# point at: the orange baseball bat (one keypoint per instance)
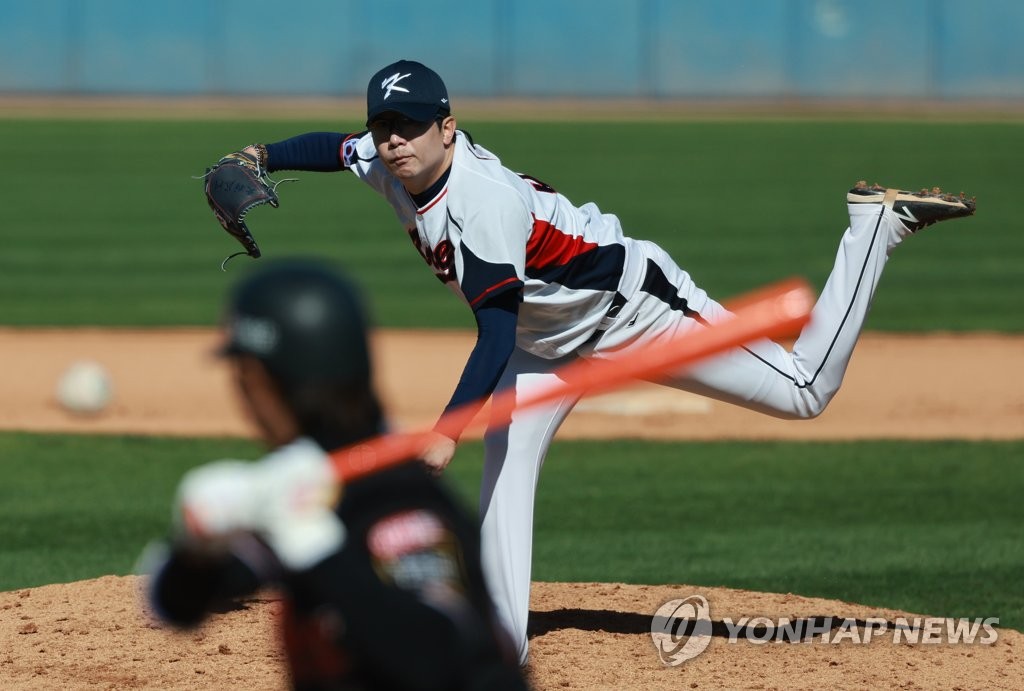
(776, 311)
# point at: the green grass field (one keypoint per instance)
(932, 528)
(104, 225)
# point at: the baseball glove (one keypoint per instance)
(235, 185)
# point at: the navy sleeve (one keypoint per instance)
(496, 339)
(317, 151)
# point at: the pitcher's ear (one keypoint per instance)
(448, 127)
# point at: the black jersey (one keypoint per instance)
(402, 605)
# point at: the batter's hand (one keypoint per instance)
(287, 499)
(438, 452)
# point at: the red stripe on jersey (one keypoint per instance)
(427, 208)
(481, 296)
(549, 246)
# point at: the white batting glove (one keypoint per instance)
(216, 500)
(287, 499)
(297, 518)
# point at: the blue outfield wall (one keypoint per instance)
(935, 49)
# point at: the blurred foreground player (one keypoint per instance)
(381, 578)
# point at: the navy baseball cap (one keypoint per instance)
(407, 87)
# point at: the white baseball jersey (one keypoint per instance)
(490, 229)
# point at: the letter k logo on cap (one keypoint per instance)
(391, 84)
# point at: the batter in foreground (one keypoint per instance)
(380, 578)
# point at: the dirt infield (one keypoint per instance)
(95, 634)
(167, 382)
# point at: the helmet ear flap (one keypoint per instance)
(305, 322)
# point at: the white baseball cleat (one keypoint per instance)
(915, 209)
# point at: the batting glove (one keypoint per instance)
(287, 499)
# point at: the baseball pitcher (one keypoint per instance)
(549, 281)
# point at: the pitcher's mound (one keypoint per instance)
(96, 634)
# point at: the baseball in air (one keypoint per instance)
(84, 388)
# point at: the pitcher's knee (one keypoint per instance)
(809, 413)
(800, 404)
(811, 404)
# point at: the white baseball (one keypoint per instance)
(84, 388)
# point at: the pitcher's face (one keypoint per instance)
(417, 153)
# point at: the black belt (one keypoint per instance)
(613, 311)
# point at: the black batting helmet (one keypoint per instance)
(304, 320)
